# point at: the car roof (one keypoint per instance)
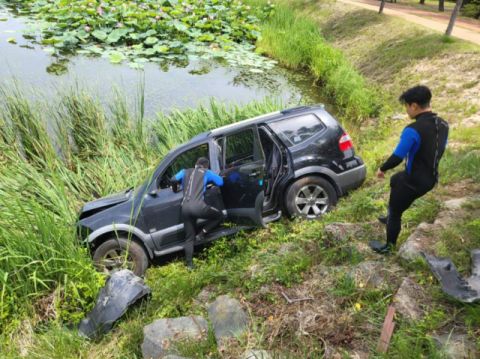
(269, 117)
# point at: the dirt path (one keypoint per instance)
(434, 21)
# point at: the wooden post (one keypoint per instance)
(453, 18)
(387, 330)
(441, 5)
(382, 5)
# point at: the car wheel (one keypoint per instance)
(117, 254)
(310, 197)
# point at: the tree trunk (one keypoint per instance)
(441, 6)
(422, 2)
(382, 5)
(453, 18)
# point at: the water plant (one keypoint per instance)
(148, 30)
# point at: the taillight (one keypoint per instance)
(345, 142)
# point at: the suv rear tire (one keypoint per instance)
(310, 197)
(122, 253)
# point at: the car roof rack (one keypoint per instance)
(294, 109)
(244, 122)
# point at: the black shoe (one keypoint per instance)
(383, 219)
(190, 265)
(381, 248)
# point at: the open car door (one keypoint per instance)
(243, 169)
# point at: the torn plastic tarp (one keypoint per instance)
(464, 289)
(122, 289)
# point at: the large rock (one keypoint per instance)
(372, 273)
(257, 354)
(227, 317)
(407, 298)
(455, 346)
(421, 240)
(159, 337)
(455, 203)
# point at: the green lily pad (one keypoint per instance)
(101, 35)
(11, 40)
(151, 40)
(49, 49)
(10, 31)
(116, 57)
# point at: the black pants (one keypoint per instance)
(190, 215)
(401, 198)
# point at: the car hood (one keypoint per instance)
(105, 202)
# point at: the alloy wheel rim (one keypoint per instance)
(115, 260)
(311, 201)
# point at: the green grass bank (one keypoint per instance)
(47, 280)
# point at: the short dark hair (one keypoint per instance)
(203, 162)
(421, 95)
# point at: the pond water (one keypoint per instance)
(178, 85)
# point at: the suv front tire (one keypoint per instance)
(310, 197)
(116, 254)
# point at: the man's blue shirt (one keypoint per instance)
(209, 177)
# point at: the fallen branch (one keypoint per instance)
(291, 301)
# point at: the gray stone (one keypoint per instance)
(406, 300)
(342, 231)
(206, 293)
(160, 336)
(227, 317)
(256, 354)
(370, 273)
(174, 357)
(397, 117)
(420, 240)
(455, 346)
(455, 203)
(285, 248)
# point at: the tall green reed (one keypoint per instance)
(92, 151)
(297, 43)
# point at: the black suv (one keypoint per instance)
(299, 161)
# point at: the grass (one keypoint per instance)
(47, 280)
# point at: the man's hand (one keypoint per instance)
(380, 174)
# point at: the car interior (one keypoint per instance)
(274, 163)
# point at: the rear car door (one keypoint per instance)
(243, 169)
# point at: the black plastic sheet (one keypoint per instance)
(122, 289)
(464, 289)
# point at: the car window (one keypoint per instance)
(185, 160)
(239, 149)
(301, 128)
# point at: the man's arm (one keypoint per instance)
(212, 177)
(177, 178)
(407, 141)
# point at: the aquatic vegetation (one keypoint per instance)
(149, 30)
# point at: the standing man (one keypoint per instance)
(422, 144)
(194, 182)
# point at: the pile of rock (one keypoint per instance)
(226, 315)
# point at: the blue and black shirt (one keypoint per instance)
(194, 182)
(422, 144)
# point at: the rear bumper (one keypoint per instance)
(352, 179)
